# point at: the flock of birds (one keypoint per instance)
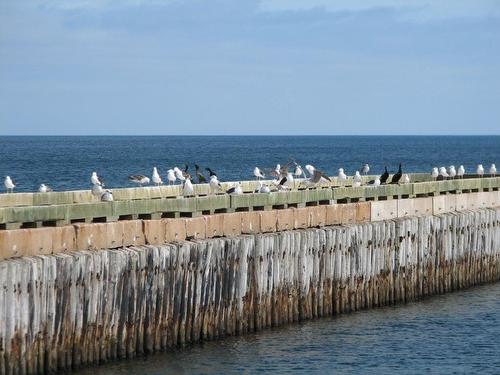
(283, 178)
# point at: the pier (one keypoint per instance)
(84, 282)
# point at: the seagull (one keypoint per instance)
(406, 178)
(452, 172)
(107, 196)
(9, 184)
(298, 171)
(375, 182)
(397, 176)
(257, 173)
(434, 173)
(277, 170)
(461, 171)
(384, 177)
(97, 190)
(210, 172)
(156, 177)
(480, 170)
(365, 169)
(235, 190)
(199, 175)
(316, 175)
(187, 188)
(139, 179)
(442, 172)
(356, 180)
(95, 180)
(342, 176)
(179, 174)
(263, 188)
(286, 182)
(493, 170)
(171, 177)
(215, 185)
(44, 188)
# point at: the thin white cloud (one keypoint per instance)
(100, 4)
(409, 9)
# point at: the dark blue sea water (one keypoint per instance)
(67, 162)
(457, 333)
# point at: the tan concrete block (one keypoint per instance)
(363, 212)
(302, 218)
(196, 227)
(90, 236)
(175, 229)
(317, 216)
(13, 243)
(39, 241)
(444, 203)
(268, 221)
(231, 224)
(461, 202)
(285, 220)
(215, 225)
(63, 239)
(133, 233)
(114, 234)
(333, 214)
(384, 210)
(154, 231)
(348, 212)
(250, 222)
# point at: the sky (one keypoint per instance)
(131, 67)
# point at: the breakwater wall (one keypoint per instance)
(75, 308)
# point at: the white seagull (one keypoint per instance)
(316, 176)
(480, 170)
(171, 177)
(442, 172)
(235, 190)
(44, 188)
(139, 179)
(107, 196)
(156, 177)
(342, 177)
(452, 172)
(257, 173)
(188, 189)
(406, 178)
(95, 180)
(434, 173)
(461, 171)
(97, 190)
(9, 184)
(366, 169)
(493, 170)
(214, 184)
(179, 174)
(375, 182)
(263, 188)
(286, 182)
(356, 179)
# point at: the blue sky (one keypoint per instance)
(249, 67)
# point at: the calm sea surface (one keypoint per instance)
(67, 162)
(457, 333)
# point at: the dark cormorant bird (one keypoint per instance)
(384, 177)
(397, 176)
(199, 175)
(210, 172)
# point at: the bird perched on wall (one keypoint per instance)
(286, 182)
(179, 175)
(406, 178)
(171, 177)
(298, 171)
(139, 179)
(493, 170)
(97, 190)
(365, 169)
(452, 172)
(316, 175)
(156, 177)
(214, 184)
(263, 188)
(107, 196)
(258, 174)
(96, 180)
(397, 176)
(9, 184)
(435, 173)
(187, 188)
(44, 188)
(384, 177)
(461, 171)
(342, 177)
(480, 170)
(443, 172)
(199, 175)
(356, 180)
(210, 172)
(375, 182)
(235, 190)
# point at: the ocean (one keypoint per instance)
(66, 163)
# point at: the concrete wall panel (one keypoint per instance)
(384, 210)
